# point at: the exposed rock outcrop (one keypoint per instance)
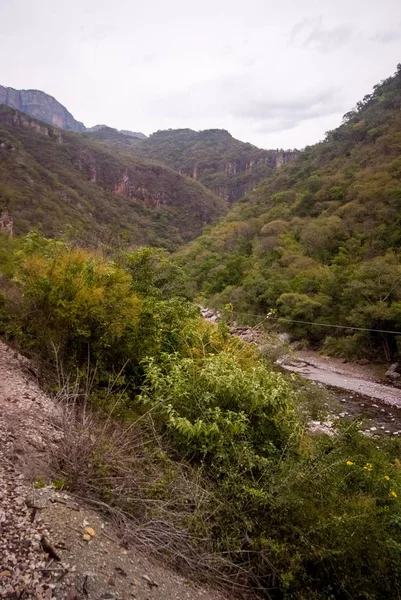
(240, 176)
(6, 222)
(228, 167)
(41, 106)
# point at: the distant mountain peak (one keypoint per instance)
(41, 106)
(46, 108)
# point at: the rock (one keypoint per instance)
(111, 581)
(393, 375)
(41, 106)
(86, 537)
(151, 583)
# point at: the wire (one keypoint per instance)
(268, 317)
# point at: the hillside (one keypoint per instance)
(228, 167)
(319, 241)
(196, 447)
(53, 179)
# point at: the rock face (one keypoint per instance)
(41, 106)
(228, 167)
(239, 176)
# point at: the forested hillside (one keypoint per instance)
(228, 167)
(319, 241)
(53, 179)
(194, 441)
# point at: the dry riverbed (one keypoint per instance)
(358, 391)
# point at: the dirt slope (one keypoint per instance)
(99, 569)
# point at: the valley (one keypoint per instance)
(251, 449)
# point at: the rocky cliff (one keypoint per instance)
(232, 179)
(228, 167)
(41, 106)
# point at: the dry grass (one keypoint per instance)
(160, 505)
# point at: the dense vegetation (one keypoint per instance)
(53, 179)
(227, 166)
(293, 515)
(319, 241)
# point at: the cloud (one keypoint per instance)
(250, 97)
(312, 33)
(283, 113)
(96, 33)
(387, 36)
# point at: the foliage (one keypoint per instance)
(319, 241)
(293, 515)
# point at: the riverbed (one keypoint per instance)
(358, 391)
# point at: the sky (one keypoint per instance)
(278, 74)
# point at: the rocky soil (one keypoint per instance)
(53, 546)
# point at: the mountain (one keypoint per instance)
(41, 106)
(52, 179)
(319, 241)
(45, 108)
(108, 132)
(228, 167)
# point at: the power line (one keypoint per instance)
(317, 324)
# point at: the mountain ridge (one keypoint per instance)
(229, 167)
(53, 179)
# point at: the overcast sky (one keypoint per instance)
(275, 73)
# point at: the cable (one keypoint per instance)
(317, 324)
